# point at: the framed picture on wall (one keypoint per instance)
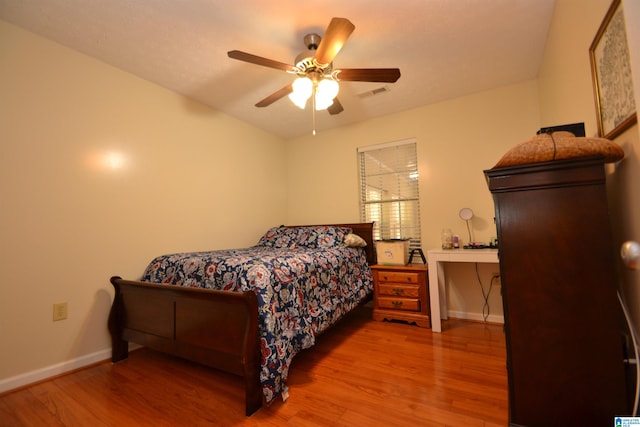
(611, 70)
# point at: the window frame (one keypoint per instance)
(396, 216)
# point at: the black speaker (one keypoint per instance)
(575, 128)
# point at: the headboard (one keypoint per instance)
(364, 230)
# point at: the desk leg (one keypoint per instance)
(442, 288)
(434, 297)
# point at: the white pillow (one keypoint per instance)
(354, 241)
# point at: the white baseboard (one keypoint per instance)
(32, 377)
(492, 318)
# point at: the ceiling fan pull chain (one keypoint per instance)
(313, 109)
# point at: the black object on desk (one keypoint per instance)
(419, 252)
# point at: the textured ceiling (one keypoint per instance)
(444, 48)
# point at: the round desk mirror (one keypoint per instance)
(466, 214)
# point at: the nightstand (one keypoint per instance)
(401, 293)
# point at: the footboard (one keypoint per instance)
(215, 328)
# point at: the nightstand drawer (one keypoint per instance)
(399, 290)
(408, 304)
(398, 277)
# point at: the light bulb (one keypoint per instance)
(326, 90)
(299, 101)
(302, 88)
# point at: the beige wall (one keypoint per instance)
(456, 141)
(566, 95)
(191, 179)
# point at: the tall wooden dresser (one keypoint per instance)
(566, 337)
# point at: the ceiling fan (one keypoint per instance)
(316, 77)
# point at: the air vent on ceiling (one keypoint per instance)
(373, 92)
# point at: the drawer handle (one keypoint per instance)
(409, 279)
(396, 303)
(385, 277)
(398, 291)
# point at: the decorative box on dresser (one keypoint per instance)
(401, 293)
(566, 337)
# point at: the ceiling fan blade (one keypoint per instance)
(275, 96)
(334, 38)
(384, 75)
(335, 108)
(258, 60)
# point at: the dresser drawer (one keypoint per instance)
(398, 277)
(399, 290)
(407, 304)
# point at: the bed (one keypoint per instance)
(247, 311)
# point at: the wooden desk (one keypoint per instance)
(437, 279)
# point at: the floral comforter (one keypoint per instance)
(304, 285)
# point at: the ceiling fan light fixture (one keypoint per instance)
(302, 89)
(323, 103)
(326, 91)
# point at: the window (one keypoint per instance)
(389, 190)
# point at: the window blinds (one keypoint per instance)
(389, 190)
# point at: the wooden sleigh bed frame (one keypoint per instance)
(215, 328)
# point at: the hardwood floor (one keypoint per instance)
(360, 373)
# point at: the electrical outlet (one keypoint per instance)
(60, 311)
